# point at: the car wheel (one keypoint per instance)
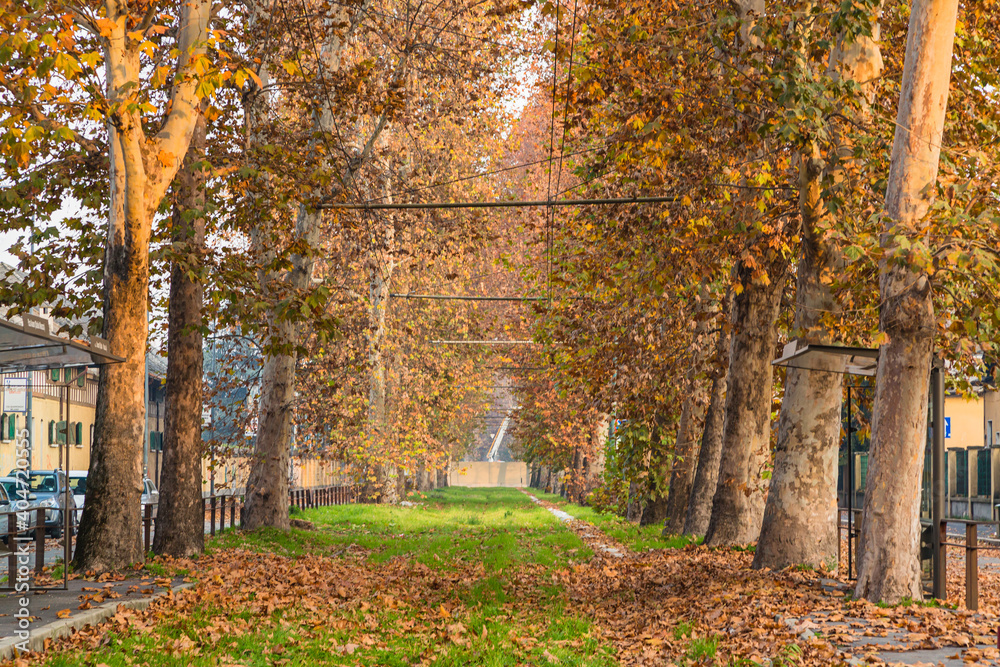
(56, 532)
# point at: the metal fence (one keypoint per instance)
(220, 512)
(972, 545)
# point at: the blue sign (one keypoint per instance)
(947, 427)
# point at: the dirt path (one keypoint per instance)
(588, 532)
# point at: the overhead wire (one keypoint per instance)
(550, 212)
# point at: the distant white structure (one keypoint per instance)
(485, 473)
(497, 439)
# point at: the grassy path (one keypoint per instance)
(466, 577)
(487, 577)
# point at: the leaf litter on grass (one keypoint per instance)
(684, 607)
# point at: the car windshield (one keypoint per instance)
(42, 482)
(11, 488)
(79, 485)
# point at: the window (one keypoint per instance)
(983, 470)
(12, 427)
(43, 482)
(82, 380)
(78, 435)
(78, 485)
(54, 375)
(3, 427)
(52, 434)
(961, 472)
(989, 433)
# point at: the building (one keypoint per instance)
(971, 435)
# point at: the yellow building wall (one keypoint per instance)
(966, 416)
(45, 408)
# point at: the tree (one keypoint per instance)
(888, 559)
(710, 455)
(801, 517)
(180, 514)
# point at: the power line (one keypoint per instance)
(484, 174)
(550, 212)
(513, 203)
(448, 297)
(484, 342)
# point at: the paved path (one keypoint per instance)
(44, 606)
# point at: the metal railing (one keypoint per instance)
(16, 535)
(220, 512)
(971, 546)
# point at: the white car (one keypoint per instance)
(150, 496)
(78, 485)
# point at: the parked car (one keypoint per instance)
(150, 496)
(78, 486)
(49, 488)
(11, 491)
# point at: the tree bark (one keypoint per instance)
(685, 458)
(888, 559)
(141, 170)
(379, 280)
(633, 512)
(738, 505)
(180, 520)
(710, 456)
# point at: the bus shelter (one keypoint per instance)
(31, 346)
(863, 361)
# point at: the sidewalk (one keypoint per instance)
(48, 606)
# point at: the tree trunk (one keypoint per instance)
(141, 170)
(710, 456)
(655, 509)
(634, 510)
(598, 447)
(267, 485)
(801, 518)
(888, 558)
(180, 520)
(379, 278)
(738, 506)
(685, 458)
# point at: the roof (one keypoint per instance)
(29, 346)
(857, 360)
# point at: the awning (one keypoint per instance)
(30, 347)
(859, 360)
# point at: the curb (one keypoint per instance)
(67, 626)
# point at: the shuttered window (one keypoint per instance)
(983, 470)
(961, 473)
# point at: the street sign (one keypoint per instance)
(15, 394)
(947, 427)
